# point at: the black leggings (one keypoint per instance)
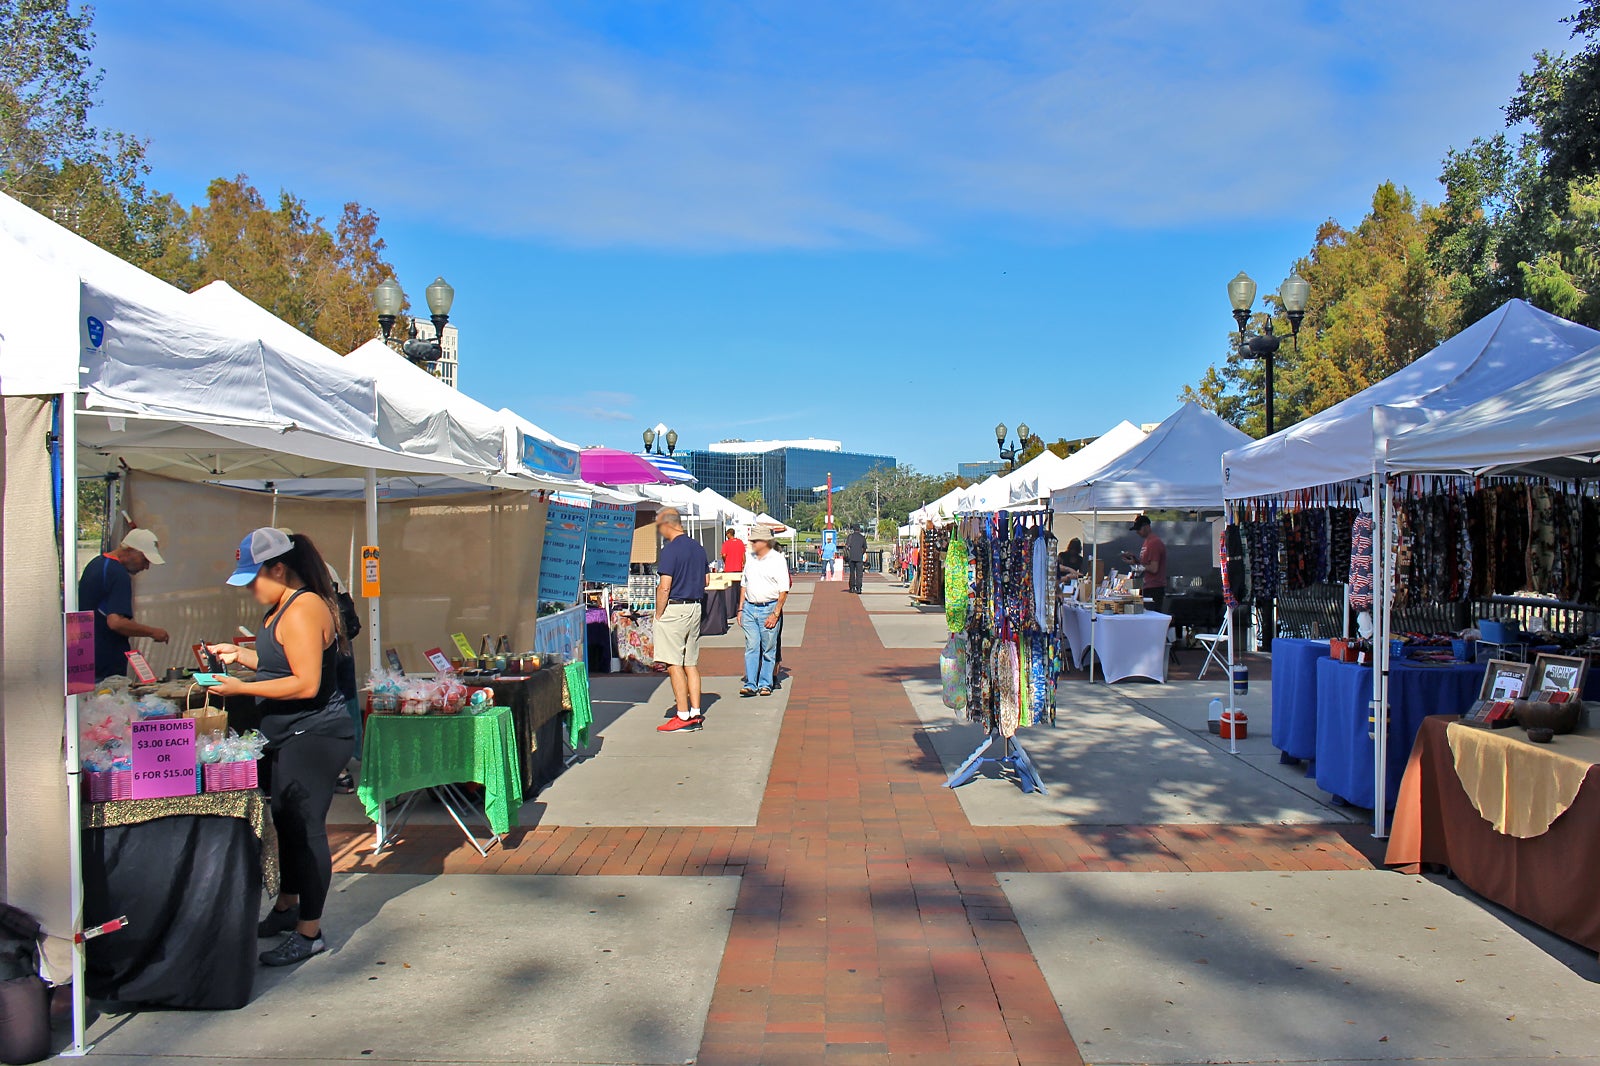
(301, 775)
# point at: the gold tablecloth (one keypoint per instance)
(1518, 786)
(247, 804)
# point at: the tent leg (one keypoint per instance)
(374, 632)
(1094, 593)
(1382, 607)
(69, 589)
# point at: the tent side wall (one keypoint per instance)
(35, 869)
(467, 564)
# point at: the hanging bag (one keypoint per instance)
(953, 672)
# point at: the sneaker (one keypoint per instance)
(277, 922)
(681, 725)
(295, 948)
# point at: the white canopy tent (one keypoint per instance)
(421, 415)
(1027, 482)
(1548, 425)
(1093, 456)
(1496, 353)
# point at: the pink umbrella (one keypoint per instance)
(608, 466)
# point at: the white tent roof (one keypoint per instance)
(164, 383)
(1178, 466)
(1496, 353)
(1093, 456)
(421, 415)
(532, 450)
(1022, 484)
(688, 502)
(1549, 424)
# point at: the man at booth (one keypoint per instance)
(1152, 558)
(106, 588)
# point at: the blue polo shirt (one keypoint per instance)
(106, 588)
(684, 560)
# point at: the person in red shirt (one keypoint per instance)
(1153, 558)
(733, 554)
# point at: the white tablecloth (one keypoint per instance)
(1127, 645)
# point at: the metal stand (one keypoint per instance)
(455, 803)
(1011, 754)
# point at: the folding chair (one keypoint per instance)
(1216, 645)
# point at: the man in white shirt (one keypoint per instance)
(762, 595)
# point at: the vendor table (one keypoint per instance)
(188, 873)
(1195, 611)
(536, 706)
(1294, 695)
(407, 753)
(721, 608)
(1548, 878)
(1344, 734)
(1127, 645)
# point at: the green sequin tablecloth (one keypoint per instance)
(404, 753)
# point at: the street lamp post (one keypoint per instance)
(652, 439)
(388, 299)
(1009, 453)
(1292, 296)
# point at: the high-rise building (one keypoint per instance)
(449, 366)
(981, 469)
(786, 471)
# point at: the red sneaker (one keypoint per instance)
(676, 724)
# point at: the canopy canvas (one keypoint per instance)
(1498, 352)
(421, 415)
(1178, 466)
(1096, 454)
(1548, 425)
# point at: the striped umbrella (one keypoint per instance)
(668, 466)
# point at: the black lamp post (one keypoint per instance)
(1009, 453)
(652, 439)
(388, 298)
(1292, 296)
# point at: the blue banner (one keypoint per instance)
(562, 633)
(610, 546)
(547, 457)
(565, 529)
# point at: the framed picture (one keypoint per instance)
(1559, 673)
(1505, 680)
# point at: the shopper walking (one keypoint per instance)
(304, 717)
(1152, 558)
(855, 557)
(732, 553)
(680, 593)
(762, 596)
(106, 588)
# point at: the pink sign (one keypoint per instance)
(163, 758)
(80, 652)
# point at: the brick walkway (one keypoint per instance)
(870, 927)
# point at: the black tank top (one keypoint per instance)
(325, 714)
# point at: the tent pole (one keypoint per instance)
(374, 633)
(1227, 616)
(69, 591)
(1380, 671)
(1094, 592)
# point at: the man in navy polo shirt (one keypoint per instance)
(106, 588)
(680, 594)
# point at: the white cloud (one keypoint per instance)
(819, 126)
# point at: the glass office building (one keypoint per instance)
(786, 472)
(980, 470)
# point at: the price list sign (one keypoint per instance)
(566, 528)
(163, 758)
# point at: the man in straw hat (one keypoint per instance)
(680, 595)
(762, 594)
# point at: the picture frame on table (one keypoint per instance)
(1558, 673)
(1506, 679)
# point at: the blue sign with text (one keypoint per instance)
(610, 544)
(566, 529)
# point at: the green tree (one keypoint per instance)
(1377, 303)
(752, 500)
(318, 280)
(886, 495)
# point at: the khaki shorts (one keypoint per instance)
(677, 635)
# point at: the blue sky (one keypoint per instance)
(891, 223)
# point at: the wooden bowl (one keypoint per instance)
(1556, 717)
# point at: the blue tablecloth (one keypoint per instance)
(1294, 695)
(1344, 747)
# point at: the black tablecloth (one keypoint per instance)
(721, 611)
(536, 711)
(190, 886)
(1196, 611)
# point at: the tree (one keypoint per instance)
(52, 156)
(886, 494)
(752, 500)
(1377, 303)
(318, 280)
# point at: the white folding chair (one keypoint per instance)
(1216, 645)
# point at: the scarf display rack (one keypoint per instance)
(1000, 607)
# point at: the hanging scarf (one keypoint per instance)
(956, 581)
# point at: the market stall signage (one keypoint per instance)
(566, 529)
(609, 545)
(163, 758)
(140, 666)
(463, 645)
(80, 652)
(440, 661)
(547, 456)
(369, 572)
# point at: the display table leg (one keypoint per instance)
(459, 807)
(1011, 754)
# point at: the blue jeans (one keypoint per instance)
(760, 645)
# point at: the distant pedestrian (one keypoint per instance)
(855, 557)
(680, 595)
(762, 596)
(732, 553)
(1152, 559)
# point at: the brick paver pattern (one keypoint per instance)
(870, 926)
